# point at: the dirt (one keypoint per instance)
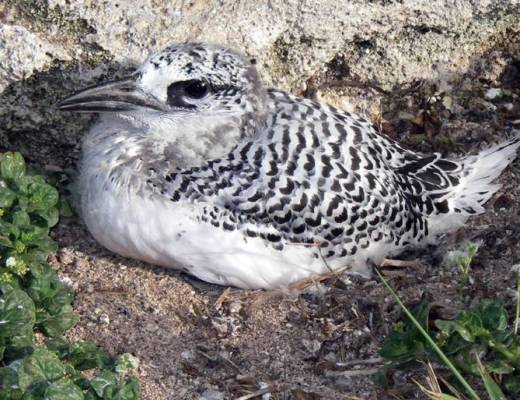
(319, 342)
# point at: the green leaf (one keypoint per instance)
(19, 345)
(5, 241)
(11, 394)
(7, 196)
(51, 215)
(380, 377)
(91, 395)
(46, 246)
(12, 166)
(59, 346)
(36, 391)
(500, 367)
(47, 291)
(63, 389)
(493, 315)
(33, 234)
(402, 347)
(41, 366)
(472, 322)
(59, 323)
(65, 208)
(104, 380)
(126, 362)
(16, 312)
(130, 391)
(511, 384)
(447, 328)
(42, 196)
(8, 378)
(406, 343)
(21, 219)
(86, 355)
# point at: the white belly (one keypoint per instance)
(168, 234)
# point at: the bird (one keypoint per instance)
(194, 164)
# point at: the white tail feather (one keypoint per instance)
(475, 185)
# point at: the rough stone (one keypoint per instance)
(49, 48)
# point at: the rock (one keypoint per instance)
(312, 346)
(50, 48)
(235, 307)
(212, 395)
(447, 102)
(493, 93)
(23, 52)
(104, 319)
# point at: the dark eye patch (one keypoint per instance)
(179, 92)
(196, 89)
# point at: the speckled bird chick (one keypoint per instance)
(195, 165)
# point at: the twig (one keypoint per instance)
(324, 260)
(254, 394)
(388, 262)
(222, 298)
(219, 358)
(374, 360)
(352, 372)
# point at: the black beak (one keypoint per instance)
(121, 95)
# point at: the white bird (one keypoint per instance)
(195, 165)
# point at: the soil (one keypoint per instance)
(197, 341)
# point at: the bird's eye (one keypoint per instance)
(196, 89)
(179, 93)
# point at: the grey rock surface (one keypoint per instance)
(49, 48)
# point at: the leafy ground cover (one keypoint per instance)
(36, 306)
(477, 342)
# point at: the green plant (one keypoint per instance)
(463, 259)
(476, 343)
(33, 298)
(410, 342)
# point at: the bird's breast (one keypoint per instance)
(171, 234)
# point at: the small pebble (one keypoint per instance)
(212, 395)
(493, 93)
(66, 280)
(235, 307)
(187, 355)
(489, 106)
(447, 102)
(312, 346)
(220, 326)
(104, 319)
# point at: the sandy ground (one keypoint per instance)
(320, 342)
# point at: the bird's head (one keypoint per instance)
(196, 94)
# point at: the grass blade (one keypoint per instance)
(493, 390)
(425, 334)
(435, 395)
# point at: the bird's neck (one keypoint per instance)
(122, 151)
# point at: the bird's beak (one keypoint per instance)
(121, 95)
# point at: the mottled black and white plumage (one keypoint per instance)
(198, 166)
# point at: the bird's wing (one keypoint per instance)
(313, 177)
